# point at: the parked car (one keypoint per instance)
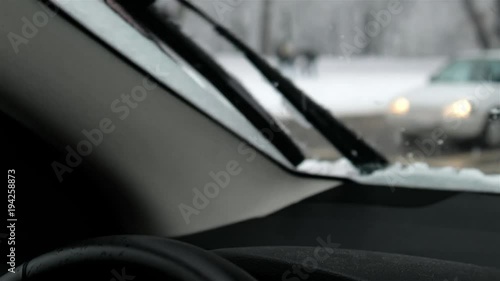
(460, 103)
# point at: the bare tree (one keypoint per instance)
(496, 11)
(371, 46)
(265, 32)
(475, 17)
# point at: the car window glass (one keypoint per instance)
(494, 71)
(369, 63)
(481, 71)
(458, 71)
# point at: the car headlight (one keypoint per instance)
(400, 106)
(459, 109)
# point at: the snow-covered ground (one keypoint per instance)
(360, 86)
(413, 175)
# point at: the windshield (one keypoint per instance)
(363, 67)
(366, 72)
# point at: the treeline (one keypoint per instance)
(371, 27)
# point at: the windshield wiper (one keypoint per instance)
(351, 146)
(354, 148)
(169, 34)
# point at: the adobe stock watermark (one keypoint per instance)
(223, 7)
(30, 26)
(220, 180)
(310, 264)
(364, 36)
(121, 108)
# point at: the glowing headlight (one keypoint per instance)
(459, 109)
(400, 106)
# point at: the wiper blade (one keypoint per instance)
(172, 36)
(354, 148)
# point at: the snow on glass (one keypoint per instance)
(415, 175)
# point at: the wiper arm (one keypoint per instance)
(363, 156)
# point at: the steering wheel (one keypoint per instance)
(126, 258)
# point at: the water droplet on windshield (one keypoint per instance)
(354, 153)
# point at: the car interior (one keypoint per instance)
(130, 209)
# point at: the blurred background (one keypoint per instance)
(363, 61)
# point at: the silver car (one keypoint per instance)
(460, 103)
